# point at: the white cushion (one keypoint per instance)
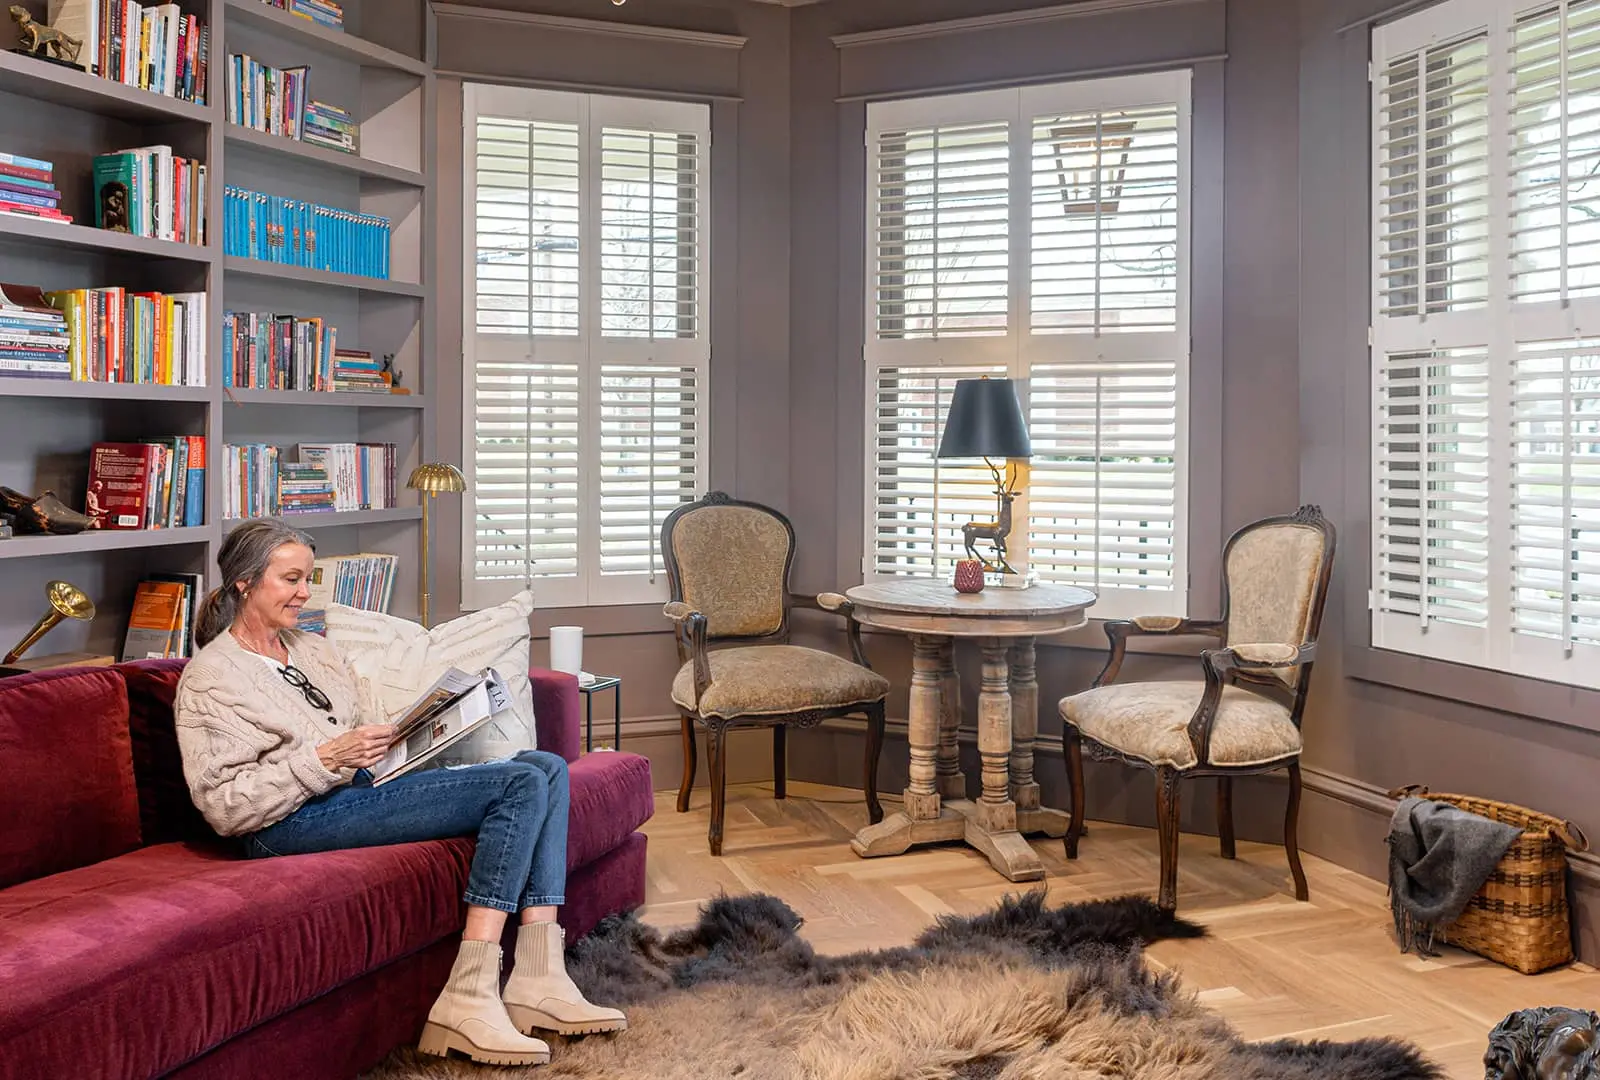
(401, 659)
(1150, 721)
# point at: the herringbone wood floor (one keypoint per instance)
(1273, 967)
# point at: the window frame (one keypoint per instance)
(1505, 328)
(589, 349)
(1016, 352)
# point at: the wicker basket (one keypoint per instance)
(1519, 917)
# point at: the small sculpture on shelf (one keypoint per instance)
(44, 42)
(391, 375)
(44, 514)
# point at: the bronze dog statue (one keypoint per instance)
(1551, 1043)
(37, 37)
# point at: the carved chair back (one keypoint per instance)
(1275, 585)
(730, 560)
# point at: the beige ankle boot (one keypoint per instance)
(540, 997)
(470, 1018)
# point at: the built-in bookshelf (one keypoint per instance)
(375, 71)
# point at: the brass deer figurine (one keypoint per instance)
(995, 531)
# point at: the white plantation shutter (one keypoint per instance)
(1103, 480)
(587, 357)
(525, 484)
(941, 230)
(1486, 242)
(649, 461)
(526, 227)
(920, 502)
(1040, 234)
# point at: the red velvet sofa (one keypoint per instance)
(136, 943)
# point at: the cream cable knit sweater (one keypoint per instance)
(249, 740)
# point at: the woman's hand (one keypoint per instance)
(359, 748)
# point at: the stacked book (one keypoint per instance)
(267, 351)
(148, 191)
(361, 475)
(331, 127)
(154, 47)
(28, 188)
(151, 484)
(265, 98)
(295, 232)
(135, 337)
(304, 488)
(34, 340)
(322, 12)
(355, 371)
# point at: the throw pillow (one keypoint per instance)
(400, 659)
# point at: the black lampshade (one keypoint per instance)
(985, 421)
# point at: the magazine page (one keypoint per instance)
(486, 698)
(445, 691)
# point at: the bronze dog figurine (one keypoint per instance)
(1551, 1043)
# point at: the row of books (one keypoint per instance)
(263, 350)
(296, 232)
(103, 335)
(364, 580)
(155, 47)
(149, 191)
(162, 620)
(157, 483)
(28, 188)
(265, 98)
(264, 480)
(322, 12)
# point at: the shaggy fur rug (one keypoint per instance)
(1022, 992)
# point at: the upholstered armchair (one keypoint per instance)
(728, 567)
(1245, 717)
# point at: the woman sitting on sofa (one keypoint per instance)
(277, 734)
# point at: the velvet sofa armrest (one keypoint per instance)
(557, 713)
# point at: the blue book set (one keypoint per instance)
(296, 232)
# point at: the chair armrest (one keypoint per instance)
(842, 605)
(689, 629)
(1120, 630)
(1220, 666)
(557, 715)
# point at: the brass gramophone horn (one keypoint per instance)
(67, 601)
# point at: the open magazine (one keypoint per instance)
(456, 705)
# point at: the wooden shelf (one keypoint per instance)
(105, 391)
(345, 399)
(75, 88)
(22, 547)
(86, 237)
(333, 159)
(307, 34)
(336, 519)
(238, 264)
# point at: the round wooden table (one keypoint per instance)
(1005, 622)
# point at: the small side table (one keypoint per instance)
(601, 682)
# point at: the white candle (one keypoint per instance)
(566, 649)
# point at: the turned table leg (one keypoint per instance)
(996, 811)
(952, 782)
(1031, 817)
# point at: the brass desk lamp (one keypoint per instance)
(985, 421)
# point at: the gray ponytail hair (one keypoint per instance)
(244, 557)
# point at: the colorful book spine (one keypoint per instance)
(295, 232)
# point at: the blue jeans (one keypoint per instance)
(517, 808)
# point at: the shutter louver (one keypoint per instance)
(1432, 559)
(525, 476)
(920, 502)
(1433, 179)
(649, 234)
(526, 227)
(1555, 519)
(940, 231)
(1555, 137)
(649, 420)
(1103, 478)
(1105, 221)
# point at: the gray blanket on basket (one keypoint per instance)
(1439, 857)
